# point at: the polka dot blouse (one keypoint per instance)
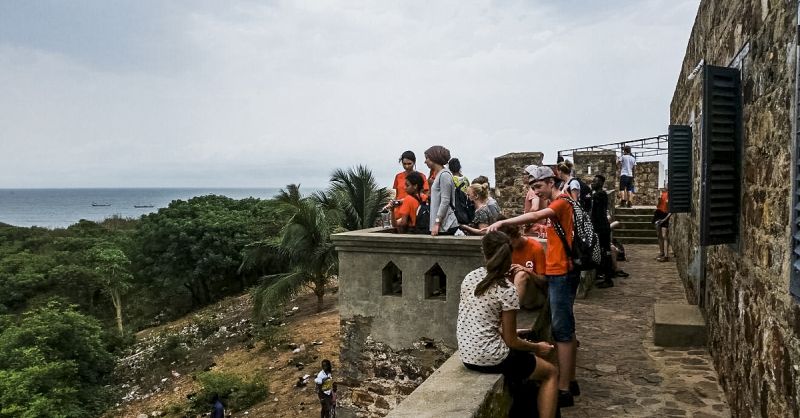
(479, 339)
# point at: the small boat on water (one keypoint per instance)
(100, 204)
(143, 206)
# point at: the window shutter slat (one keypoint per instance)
(721, 156)
(680, 168)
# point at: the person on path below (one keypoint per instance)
(485, 215)
(486, 331)
(324, 383)
(562, 279)
(409, 161)
(217, 408)
(661, 221)
(627, 162)
(599, 215)
(443, 218)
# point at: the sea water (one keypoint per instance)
(59, 208)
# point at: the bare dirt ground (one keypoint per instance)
(277, 366)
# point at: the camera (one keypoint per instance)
(396, 203)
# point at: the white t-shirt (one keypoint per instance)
(480, 341)
(628, 162)
(327, 385)
(570, 185)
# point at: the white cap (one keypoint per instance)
(539, 172)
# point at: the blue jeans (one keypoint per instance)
(561, 291)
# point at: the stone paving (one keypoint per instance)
(621, 372)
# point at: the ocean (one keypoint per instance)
(59, 208)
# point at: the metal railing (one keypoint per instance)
(643, 147)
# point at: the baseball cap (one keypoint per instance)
(539, 172)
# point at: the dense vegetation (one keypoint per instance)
(70, 299)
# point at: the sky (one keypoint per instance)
(266, 93)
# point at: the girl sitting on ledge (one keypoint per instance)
(487, 326)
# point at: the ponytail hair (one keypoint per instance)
(497, 251)
(481, 191)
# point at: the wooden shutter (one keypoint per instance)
(721, 156)
(680, 168)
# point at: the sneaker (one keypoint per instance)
(574, 389)
(604, 285)
(565, 399)
(629, 204)
(621, 273)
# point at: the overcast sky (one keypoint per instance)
(250, 94)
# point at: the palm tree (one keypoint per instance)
(306, 245)
(355, 196)
(352, 201)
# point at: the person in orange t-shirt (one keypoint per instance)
(661, 221)
(404, 214)
(409, 162)
(562, 280)
(527, 255)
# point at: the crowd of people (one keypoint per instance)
(445, 202)
(515, 260)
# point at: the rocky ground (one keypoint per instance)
(221, 338)
(620, 371)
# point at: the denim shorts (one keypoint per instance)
(561, 292)
(626, 183)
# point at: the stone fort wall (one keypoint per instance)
(743, 289)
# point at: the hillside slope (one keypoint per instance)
(220, 338)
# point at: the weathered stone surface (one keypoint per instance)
(511, 182)
(743, 288)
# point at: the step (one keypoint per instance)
(678, 325)
(636, 240)
(636, 210)
(635, 233)
(635, 225)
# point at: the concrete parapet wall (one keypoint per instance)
(390, 343)
(454, 391)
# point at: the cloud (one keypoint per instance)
(255, 94)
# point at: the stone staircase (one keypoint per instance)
(636, 225)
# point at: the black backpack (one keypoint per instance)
(585, 251)
(462, 206)
(423, 225)
(585, 196)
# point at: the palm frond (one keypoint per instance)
(276, 289)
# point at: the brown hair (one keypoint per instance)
(497, 252)
(513, 231)
(481, 180)
(565, 167)
(438, 154)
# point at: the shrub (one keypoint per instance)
(236, 393)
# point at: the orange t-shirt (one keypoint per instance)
(663, 202)
(400, 184)
(531, 255)
(558, 263)
(409, 208)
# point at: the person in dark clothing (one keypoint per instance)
(599, 216)
(218, 409)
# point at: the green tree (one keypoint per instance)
(111, 266)
(53, 363)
